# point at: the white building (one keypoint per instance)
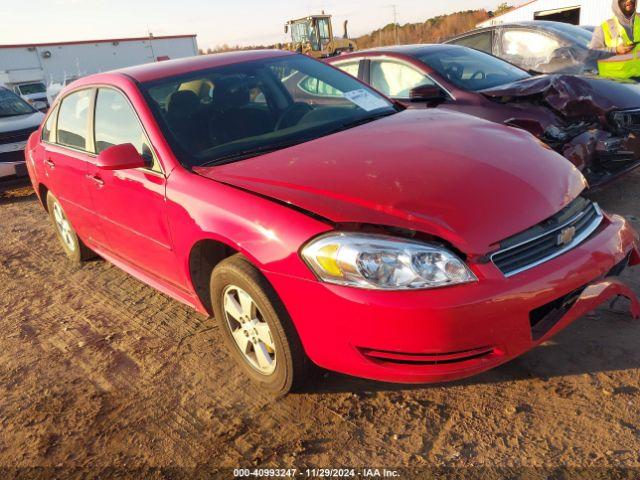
(577, 12)
(56, 62)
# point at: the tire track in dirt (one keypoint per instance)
(123, 375)
(85, 344)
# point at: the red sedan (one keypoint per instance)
(320, 222)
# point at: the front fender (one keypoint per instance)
(268, 233)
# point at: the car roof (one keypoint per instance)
(154, 71)
(541, 24)
(403, 49)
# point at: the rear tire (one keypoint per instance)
(256, 328)
(73, 247)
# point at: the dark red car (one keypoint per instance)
(339, 232)
(593, 122)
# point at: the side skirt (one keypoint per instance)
(184, 296)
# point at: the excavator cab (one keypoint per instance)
(313, 36)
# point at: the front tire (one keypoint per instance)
(256, 328)
(73, 247)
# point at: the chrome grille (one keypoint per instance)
(549, 239)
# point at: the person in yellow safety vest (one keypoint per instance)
(619, 36)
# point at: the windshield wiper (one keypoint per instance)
(251, 152)
(360, 121)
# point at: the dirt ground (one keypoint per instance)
(100, 374)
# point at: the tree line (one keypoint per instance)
(433, 30)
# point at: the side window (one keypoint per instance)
(317, 87)
(352, 68)
(116, 123)
(528, 48)
(72, 120)
(47, 129)
(479, 41)
(396, 79)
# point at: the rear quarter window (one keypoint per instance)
(48, 133)
(72, 128)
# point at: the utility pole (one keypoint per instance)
(395, 22)
(153, 55)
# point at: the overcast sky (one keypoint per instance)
(234, 22)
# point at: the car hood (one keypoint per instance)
(20, 122)
(572, 96)
(465, 180)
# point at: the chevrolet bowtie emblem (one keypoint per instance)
(566, 236)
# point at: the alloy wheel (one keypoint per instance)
(64, 227)
(249, 330)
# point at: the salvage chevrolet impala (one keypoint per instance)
(321, 223)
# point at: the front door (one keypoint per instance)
(131, 203)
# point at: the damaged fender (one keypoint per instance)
(590, 131)
(571, 96)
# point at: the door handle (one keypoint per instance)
(50, 164)
(98, 181)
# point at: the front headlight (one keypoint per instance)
(383, 263)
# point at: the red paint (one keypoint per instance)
(466, 181)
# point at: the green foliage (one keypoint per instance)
(502, 8)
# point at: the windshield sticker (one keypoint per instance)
(365, 99)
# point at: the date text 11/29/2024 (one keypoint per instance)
(316, 472)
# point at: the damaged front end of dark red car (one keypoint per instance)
(597, 124)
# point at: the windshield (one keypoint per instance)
(31, 88)
(470, 69)
(229, 113)
(12, 105)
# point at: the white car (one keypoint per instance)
(18, 120)
(34, 93)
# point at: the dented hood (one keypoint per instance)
(572, 96)
(466, 180)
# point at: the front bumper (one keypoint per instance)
(603, 157)
(455, 332)
(13, 169)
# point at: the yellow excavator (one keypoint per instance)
(313, 36)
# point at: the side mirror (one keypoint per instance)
(427, 93)
(121, 157)
(286, 29)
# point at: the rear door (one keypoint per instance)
(131, 203)
(67, 153)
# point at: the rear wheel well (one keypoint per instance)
(204, 257)
(42, 193)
